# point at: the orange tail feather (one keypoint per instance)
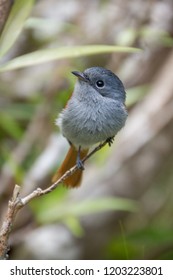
(69, 161)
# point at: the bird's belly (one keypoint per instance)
(92, 126)
(86, 138)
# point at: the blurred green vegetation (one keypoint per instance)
(150, 242)
(52, 208)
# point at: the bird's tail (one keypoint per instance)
(70, 160)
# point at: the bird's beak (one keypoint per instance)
(80, 75)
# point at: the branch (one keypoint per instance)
(5, 7)
(16, 203)
(13, 207)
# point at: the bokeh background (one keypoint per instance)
(124, 207)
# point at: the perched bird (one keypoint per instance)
(95, 112)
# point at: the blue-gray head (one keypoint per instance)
(104, 81)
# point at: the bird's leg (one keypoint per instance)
(110, 140)
(79, 162)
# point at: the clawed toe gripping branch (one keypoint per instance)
(16, 202)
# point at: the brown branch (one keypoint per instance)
(13, 207)
(5, 7)
(16, 203)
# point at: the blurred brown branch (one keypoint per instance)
(5, 7)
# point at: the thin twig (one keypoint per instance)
(16, 203)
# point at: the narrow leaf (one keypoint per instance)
(46, 55)
(103, 204)
(19, 12)
(61, 212)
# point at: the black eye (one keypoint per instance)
(100, 84)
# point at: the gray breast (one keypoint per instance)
(85, 125)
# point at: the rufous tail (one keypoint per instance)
(70, 160)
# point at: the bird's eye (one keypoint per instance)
(100, 84)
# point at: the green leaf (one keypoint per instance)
(103, 204)
(10, 126)
(46, 55)
(53, 199)
(19, 12)
(60, 211)
(74, 225)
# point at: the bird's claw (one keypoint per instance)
(110, 141)
(80, 164)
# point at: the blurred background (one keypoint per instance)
(124, 207)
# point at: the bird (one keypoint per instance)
(95, 112)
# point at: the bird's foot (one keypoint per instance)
(110, 141)
(79, 162)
